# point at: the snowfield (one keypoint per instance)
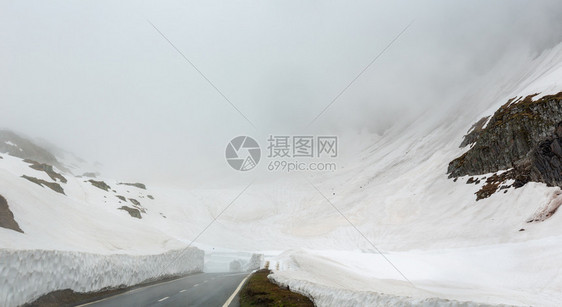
(81, 240)
(513, 274)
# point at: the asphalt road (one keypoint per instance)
(203, 289)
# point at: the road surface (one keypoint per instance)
(203, 289)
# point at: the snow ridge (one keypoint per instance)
(26, 275)
(328, 296)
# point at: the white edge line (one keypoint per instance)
(164, 298)
(227, 303)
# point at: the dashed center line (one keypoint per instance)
(164, 298)
(195, 285)
(183, 290)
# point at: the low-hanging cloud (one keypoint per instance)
(96, 78)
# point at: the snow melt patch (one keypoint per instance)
(549, 209)
(28, 274)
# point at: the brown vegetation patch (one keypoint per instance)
(260, 291)
(493, 183)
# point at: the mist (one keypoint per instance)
(95, 77)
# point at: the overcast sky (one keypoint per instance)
(95, 78)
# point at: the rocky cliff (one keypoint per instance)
(523, 136)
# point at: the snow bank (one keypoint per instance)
(328, 296)
(522, 274)
(25, 275)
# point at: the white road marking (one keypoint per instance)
(135, 290)
(164, 298)
(183, 290)
(235, 292)
(195, 285)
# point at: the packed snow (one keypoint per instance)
(28, 274)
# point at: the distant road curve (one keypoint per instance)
(203, 289)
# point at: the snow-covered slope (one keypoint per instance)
(431, 228)
(76, 236)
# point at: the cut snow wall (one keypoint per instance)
(25, 275)
(328, 296)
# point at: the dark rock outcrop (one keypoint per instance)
(544, 162)
(524, 137)
(100, 185)
(514, 130)
(137, 205)
(43, 167)
(51, 185)
(7, 217)
(132, 212)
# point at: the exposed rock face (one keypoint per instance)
(473, 133)
(43, 167)
(132, 212)
(137, 205)
(522, 134)
(7, 217)
(100, 185)
(544, 163)
(51, 185)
